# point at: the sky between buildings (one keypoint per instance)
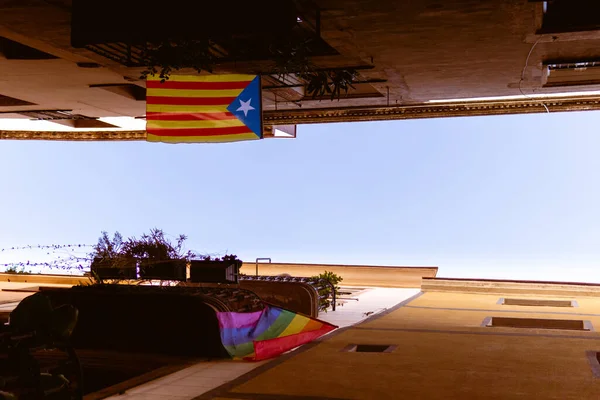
(485, 197)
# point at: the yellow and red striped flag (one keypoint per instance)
(203, 109)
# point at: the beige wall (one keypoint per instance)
(443, 353)
(46, 280)
(353, 275)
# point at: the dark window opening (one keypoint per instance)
(16, 51)
(571, 16)
(88, 65)
(84, 123)
(128, 90)
(370, 348)
(594, 360)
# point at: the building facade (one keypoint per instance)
(411, 59)
(456, 339)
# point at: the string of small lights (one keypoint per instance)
(48, 246)
(64, 262)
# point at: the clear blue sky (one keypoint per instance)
(497, 197)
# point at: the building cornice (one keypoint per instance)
(433, 110)
(505, 287)
(353, 114)
(80, 136)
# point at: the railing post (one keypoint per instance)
(333, 295)
(262, 259)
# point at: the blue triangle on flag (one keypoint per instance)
(247, 107)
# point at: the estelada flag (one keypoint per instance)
(203, 109)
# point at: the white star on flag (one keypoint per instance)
(245, 106)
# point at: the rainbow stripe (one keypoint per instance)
(198, 109)
(267, 333)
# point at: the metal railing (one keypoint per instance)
(262, 259)
(318, 283)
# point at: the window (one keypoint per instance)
(128, 90)
(537, 302)
(369, 348)
(570, 16)
(572, 73)
(85, 122)
(6, 101)
(594, 360)
(281, 131)
(16, 51)
(538, 323)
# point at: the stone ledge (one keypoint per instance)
(539, 288)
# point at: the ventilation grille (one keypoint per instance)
(538, 323)
(67, 118)
(50, 115)
(537, 302)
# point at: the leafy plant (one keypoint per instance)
(291, 58)
(154, 251)
(110, 253)
(108, 248)
(294, 59)
(326, 291)
(227, 257)
(14, 270)
(156, 246)
(329, 82)
(167, 56)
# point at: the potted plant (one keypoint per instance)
(169, 55)
(109, 260)
(215, 270)
(326, 292)
(293, 59)
(158, 257)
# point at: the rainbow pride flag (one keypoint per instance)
(203, 108)
(268, 333)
